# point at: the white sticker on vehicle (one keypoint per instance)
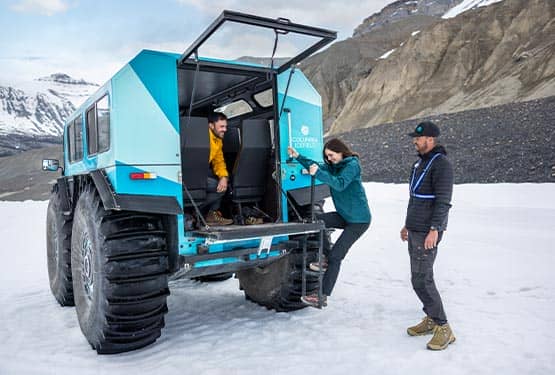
(265, 244)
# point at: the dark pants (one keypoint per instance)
(335, 254)
(422, 276)
(213, 198)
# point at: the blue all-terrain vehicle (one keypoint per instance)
(124, 216)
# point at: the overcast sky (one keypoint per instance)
(92, 39)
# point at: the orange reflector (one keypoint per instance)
(142, 176)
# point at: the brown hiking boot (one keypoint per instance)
(425, 327)
(251, 220)
(443, 336)
(216, 218)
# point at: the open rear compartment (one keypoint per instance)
(246, 96)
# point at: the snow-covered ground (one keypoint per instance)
(494, 270)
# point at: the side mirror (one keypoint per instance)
(50, 165)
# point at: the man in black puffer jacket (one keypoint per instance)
(431, 188)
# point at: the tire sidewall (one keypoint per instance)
(89, 306)
(58, 256)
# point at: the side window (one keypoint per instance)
(92, 134)
(103, 123)
(78, 125)
(75, 140)
(98, 126)
(70, 142)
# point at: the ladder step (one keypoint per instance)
(313, 273)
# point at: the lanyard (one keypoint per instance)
(414, 186)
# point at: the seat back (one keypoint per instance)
(195, 152)
(250, 169)
(231, 146)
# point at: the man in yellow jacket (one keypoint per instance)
(218, 178)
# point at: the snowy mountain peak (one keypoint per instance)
(467, 5)
(35, 110)
(66, 79)
(402, 9)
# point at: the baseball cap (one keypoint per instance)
(425, 129)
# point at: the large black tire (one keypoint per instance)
(58, 251)
(120, 275)
(278, 286)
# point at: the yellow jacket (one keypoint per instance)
(216, 159)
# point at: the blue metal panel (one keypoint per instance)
(158, 73)
(222, 247)
(122, 183)
(303, 115)
(144, 122)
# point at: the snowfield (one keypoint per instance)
(494, 270)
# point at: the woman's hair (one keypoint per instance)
(336, 145)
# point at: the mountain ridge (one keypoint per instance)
(487, 56)
(33, 114)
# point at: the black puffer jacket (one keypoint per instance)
(431, 189)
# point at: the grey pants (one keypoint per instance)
(335, 254)
(422, 276)
(213, 198)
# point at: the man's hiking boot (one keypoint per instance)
(425, 327)
(315, 266)
(312, 300)
(443, 336)
(216, 218)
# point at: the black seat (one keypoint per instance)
(195, 151)
(250, 169)
(231, 146)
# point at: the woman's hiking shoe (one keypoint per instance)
(443, 336)
(312, 300)
(216, 218)
(315, 266)
(425, 327)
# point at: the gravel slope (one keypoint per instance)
(507, 143)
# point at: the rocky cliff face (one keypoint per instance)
(337, 71)
(486, 56)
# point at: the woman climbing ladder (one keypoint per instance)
(341, 171)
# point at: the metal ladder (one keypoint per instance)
(306, 272)
(305, 242)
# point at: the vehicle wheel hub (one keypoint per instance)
(87, 266)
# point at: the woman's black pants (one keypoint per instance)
(336, 253)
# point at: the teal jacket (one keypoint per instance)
(346, 187)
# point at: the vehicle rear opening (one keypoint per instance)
(233, 68)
